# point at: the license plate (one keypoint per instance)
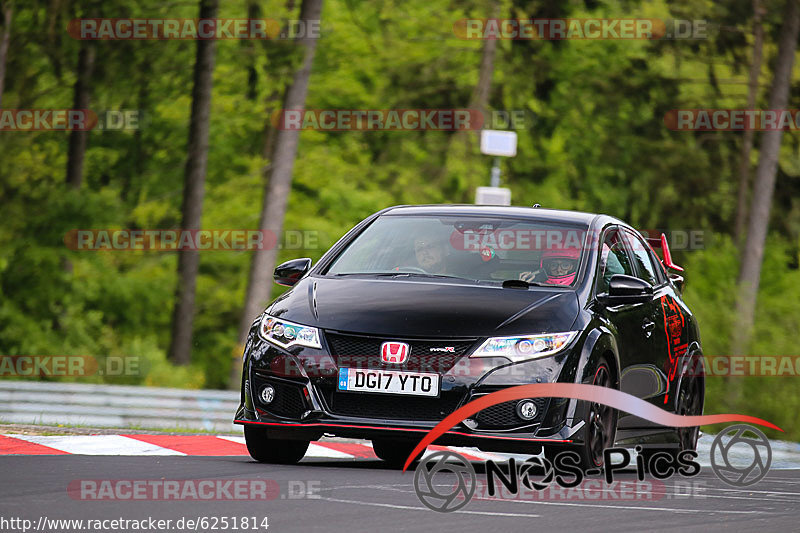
(389, 382)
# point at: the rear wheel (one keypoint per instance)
(690, 403)
(277, 451)
(394, 452)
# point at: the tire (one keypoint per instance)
(691, 396)
(394, 452)
(600, 426)
(275, 451)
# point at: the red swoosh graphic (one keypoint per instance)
(590, 393)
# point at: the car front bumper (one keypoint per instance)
(307, 404)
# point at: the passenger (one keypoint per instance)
(558, 266)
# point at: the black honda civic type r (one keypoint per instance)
(419, 310)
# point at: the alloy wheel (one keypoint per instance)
(601, 418)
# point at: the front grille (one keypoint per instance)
(504, 415)
(390, 407)
(361, 351)
(289, 401)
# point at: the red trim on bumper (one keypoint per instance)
(319, 424)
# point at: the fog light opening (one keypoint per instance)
(267, 394)
(526, 409)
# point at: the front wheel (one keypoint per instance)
(276, 451)
(600, 426)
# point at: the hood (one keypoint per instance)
(425, 308)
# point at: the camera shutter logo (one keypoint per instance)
(542, 466)
(725, 464)
(454, 496)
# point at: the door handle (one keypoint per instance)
(648, 326)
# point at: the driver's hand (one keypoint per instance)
(528, 276)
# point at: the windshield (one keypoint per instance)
(473, 248)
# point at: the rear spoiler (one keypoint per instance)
(667, 260)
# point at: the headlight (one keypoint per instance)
(522, 347)
(287, 334)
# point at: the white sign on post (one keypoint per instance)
(500, 143)
(492, 196)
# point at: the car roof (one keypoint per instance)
(535, 213)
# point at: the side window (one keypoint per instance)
(641, 257)
(661, 274)
(613, 260)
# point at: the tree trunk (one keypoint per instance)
(733, 385)
(78, 138)
(764, 185)
(464, 144)
(480, 95)
(747, 140)
(138, 151)
(276, 194)
(253, 12)
(193, 190)
(4, 40)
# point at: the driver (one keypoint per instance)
(431, 254)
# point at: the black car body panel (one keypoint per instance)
(444, 321)
(450, 310)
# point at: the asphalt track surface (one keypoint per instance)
(364, 495)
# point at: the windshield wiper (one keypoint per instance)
(421, 275)
(398, 274)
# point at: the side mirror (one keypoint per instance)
(624, 289)
(290, 272)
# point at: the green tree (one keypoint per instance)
(194, 191)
